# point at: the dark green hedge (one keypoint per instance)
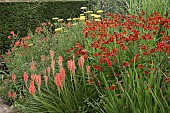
(20, 17)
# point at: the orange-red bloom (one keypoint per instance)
(125, 64)
(88, 70)
(113, 87)
(9, 94)
(32, 87)
(109, 63)
(17, 43)
(46, 80)
(140, 66)
(81, 61)
(13, 76)
(38, 80)
(71, 66)
(25, 76)
(60, 60)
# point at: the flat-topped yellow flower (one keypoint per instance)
(83, 8)
(100, 11)
(93, 15)
(58, 29)
(56, 18)
(82, 17)
(69, 19)
(60, 20)
(81, 14)
(88, 12)
(97, 20)
(97, 16)
(30, 44)
(75, 18)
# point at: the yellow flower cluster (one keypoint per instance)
(30, 44)
(86, 14)
(96, 17)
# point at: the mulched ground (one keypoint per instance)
(4, 107)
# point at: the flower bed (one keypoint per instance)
(96, 63)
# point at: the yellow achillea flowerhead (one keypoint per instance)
(82, 17)
(85, 13)
(56, 18)
(93, 14)
(58, 29)
(69, 19)
(100, 11)
(60, 20)
(83, 8)
(81, 14)
(97, 20)
(97, 16)
(75, 18)
(88, 12)
(30, 44)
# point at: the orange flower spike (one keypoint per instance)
(13, 76)
(58, 81)
(31, 88)
(60, 60)
(88, 70)
(81, 61)
(38, 80)
(53, 66)
(25, 76)
(33, 66)
(71, 66)
(46, 80)
(44, 72)
(62, 74)
(33, 77)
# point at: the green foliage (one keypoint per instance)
(148, 6)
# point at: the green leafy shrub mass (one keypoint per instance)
(98, 62)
